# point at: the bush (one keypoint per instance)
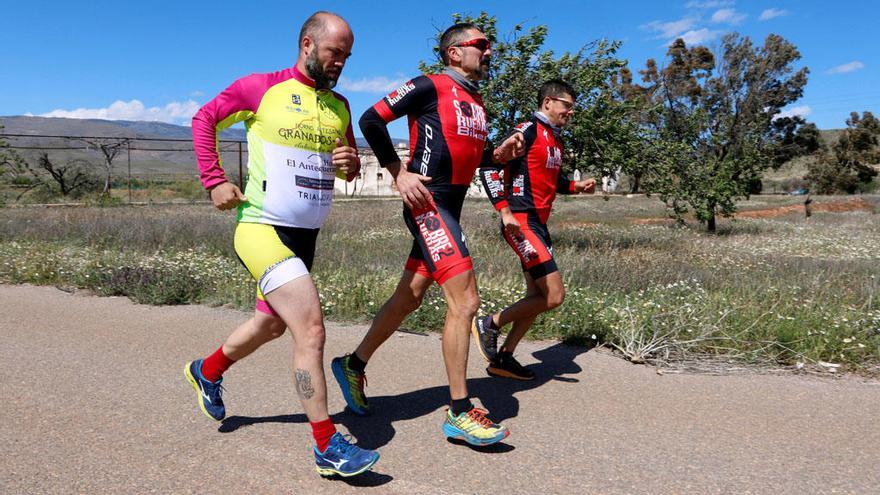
(148, 285)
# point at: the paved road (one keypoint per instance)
(93, 400)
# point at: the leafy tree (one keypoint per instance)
(708, 121)
(794, 137)
(847, 167)
(597, 137)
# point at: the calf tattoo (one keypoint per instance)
(304, 384)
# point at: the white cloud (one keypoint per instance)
(173, 113)
(380, 84)
(771, 13)
(728, 16)
(709, 4)
(697, 37)
(196, 94)
(844, 68)
(801, 111)
(670, 29)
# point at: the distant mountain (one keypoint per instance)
(54, 126)
(830, 136)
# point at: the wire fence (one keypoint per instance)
(140, 169)
(123, 162)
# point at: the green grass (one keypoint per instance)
(781, 289)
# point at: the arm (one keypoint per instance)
(345, 154)
(493, 184)
(566, 186)
(409, 98)
(236, 103)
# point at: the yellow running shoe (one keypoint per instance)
(474, 427)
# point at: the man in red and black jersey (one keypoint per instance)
(524, 197)
(448, 141)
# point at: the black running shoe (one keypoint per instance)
(506, 366)
(485, 336)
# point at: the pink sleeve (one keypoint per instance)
(239, 101)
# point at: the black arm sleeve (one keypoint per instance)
(412, 98)
(493, 183)
(375, 131)
(563, 184)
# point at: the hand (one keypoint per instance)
(412, 189)
(585, 186)
(226, 196)
(512, 147)
(511, 224)
(346, 161)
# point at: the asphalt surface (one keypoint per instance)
(93, 400)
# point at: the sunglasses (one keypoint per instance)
(569, 105)
(481, 44)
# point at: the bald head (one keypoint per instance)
(321, 24)
(325, 42)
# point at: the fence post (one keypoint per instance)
(128, 146)
(240, 169)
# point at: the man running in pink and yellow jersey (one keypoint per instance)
(299, 139)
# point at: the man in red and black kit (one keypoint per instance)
(448, 141)
(524, 198)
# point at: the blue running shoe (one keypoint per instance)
(344, 458)
(210, 394)
(352, 384)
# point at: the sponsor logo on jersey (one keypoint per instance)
(518, 185)
(525, 248)
(523, 126)
(313, 163)
(296, 99)
(307, 133)
(400, 92)
(426, 153)
(435, 237)
(313, 183)
(471, 119)
(554, 157)
(494, 184)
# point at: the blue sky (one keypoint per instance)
(161, 60)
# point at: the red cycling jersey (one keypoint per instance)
(531, 181)
(447, 130)
(448, 136)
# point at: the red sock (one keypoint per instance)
(215, 365)
(323, 431)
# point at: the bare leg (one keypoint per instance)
(406, 299)
(298, 304)
(462, 304)
(250, 335)
(542, 295)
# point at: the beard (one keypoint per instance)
(483, 69)
(316, 72)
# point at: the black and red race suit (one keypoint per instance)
(448, 141)
(528, 185)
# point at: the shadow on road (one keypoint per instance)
(367, 479)
(496, 394)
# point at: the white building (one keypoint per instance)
(374, 180)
